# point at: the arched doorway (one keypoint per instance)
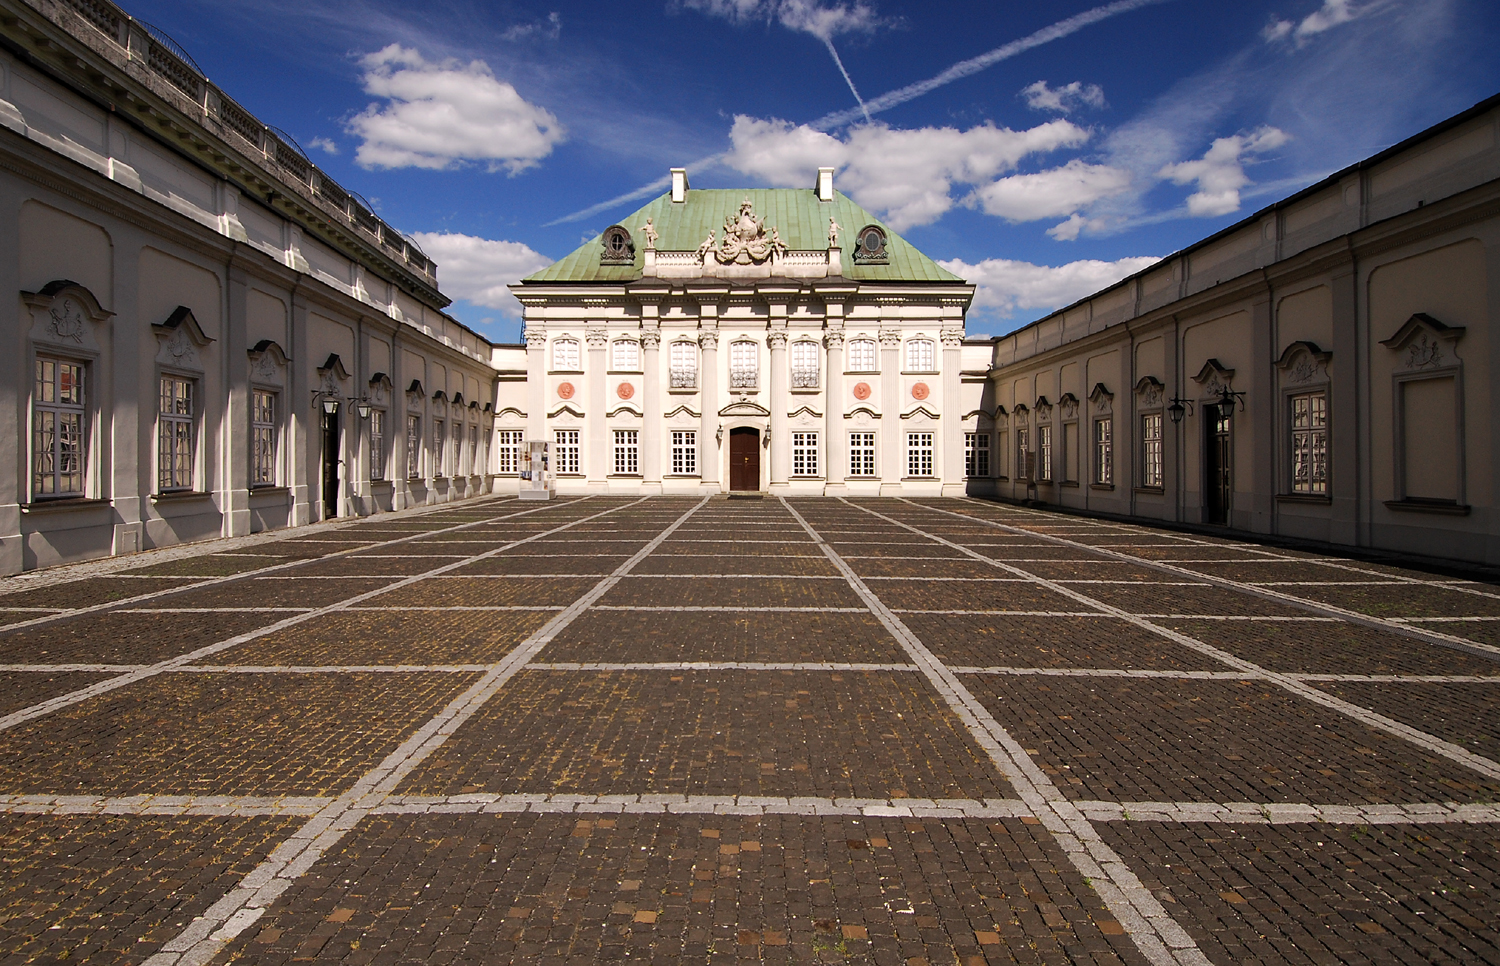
(744, 458)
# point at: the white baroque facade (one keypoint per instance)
(725, 341)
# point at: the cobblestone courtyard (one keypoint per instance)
(673, 730)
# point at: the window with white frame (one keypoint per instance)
(476, 467)
(862, 454)
(1151, 450)
(176, 434)
(1024, 465)
(59, 420)
(413, 447)
(263, 437)
(565, 354)
(439, 448)
(1310, 443)
(565, 451)
(744, 365)
(627, 355)
(977, 455)
(458, 449)
(627, 451)
(377, 444)
(1044, 453)
(804, 454)
(920, 356)
(684, 452)
(1104, 451)
(509, 453)
(804, 364)
(919, 454)
(862, 355)
(682, 361)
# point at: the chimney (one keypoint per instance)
(679, 185)
(825, 184)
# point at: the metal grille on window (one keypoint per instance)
(58, 426)
(804, 454)
(565, 455)
(508, 458)
(861, 454)
(977, 454)
(565, 354)
(175, 436)
(684, 452)
(627, 355)
(804, 365)
(263, 438)
(1104, 451)
(627, 451)
(919, 454)
(377, 444)
(439, 448)
(1044, 452)
(683, 361)
(744, 365)
(919, 355)
(862, 355)
(1151, 450)
(1310, 443)
(413, 447)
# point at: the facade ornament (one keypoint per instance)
(1069, 404)
(651, 339)
(649, 232)
(264, 370)
(708, 339)
(66, 321)
(952, 338)
(1424, 352)
(565, 390)
(834, 338)
(625, 390)
(890, 338)
(1420, 343)
(536, 337)
(862, 391)
(919, 391)
(776, 339)
(745, 240)
(706, 247)
(597, 338)
(833, 233)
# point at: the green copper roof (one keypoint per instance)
(797, 214)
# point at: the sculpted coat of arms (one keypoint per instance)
(745, 239)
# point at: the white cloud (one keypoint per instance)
(1040, 97)
(907, 175)
(1005, 286)
(324, 144)
(550, 28)
(1051, 193)
(1220, 173)
(824, 21)
(1326, 17)
(436, 115)
(478, 269)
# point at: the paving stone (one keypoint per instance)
(1333, 647)
(973, 595)
(1464, 714)
(287, 591)
(680, 565)
(231, 734)
(114, 637)
(371, 637)
(829, 735)
(89, 592)
(1216, 741)
(22, 689)
(485, 593)
(579, 565)
(1402, 600)
(208, 565)
(749, 591)
(1321, 893)
(998, 640)
(1158, 599)
(108, 890)
(623, 636)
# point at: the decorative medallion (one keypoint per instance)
(745, 239)
(67, 321)
(920, 391)
(624, 390)
(862, 391)
(565, 390)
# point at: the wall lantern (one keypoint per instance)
(719, 436)
(1178, 407)
(363, 408)
(1228, 397)
(328, 400)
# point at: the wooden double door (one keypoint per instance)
(744, 458)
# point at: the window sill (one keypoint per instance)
(862, 479)
(1101, 486)
(806, 390)
(63, 503)
(383, 484)
(269, 489)
(680, 391)
(568, 476)
(624, 476)
(861, 372)
(1071, 483)
(564, 372)
(1413, 505)
(624, 372)
(1314, 498)
(1151, 490)
(919, 372)
(802, 479)
(918, 479)
(179, 496)
(683, 476)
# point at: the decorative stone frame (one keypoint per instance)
(68, 322)
(1150, 397)
(1428, 349)
(755, 370)
(180, 343)
(1213, 379)
(381, 394)
(672, 382)
(552, 366)
(268, 373)
(1000, 458)
(1302, 368)
(617, 247)
(640, 356)
(1102, 407)
(1025, 455)
(879, 255)
(817, 372)
(1067, 420)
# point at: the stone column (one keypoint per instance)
(651, 408)
(952, 414)
(892, 446)
(708, 424)
(781, 440)
(1348, 449)
(597, 453)
(834, 469)
(234, 493)
(303, 440)
(536, 380)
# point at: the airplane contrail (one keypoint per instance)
(847, 79)
(886, 101)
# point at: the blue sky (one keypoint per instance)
(1040, 150)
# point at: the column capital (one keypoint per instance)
(776, 339)
(536, 337)
(952, 338)
(651, 339)
(890, 338)
(597, 338)
(834, 338)
(708, 338)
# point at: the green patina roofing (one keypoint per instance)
(797, 214)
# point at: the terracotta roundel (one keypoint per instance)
(565, 390)
(624, 390)
(920, 391)
(862, 391)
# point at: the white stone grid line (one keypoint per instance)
(102, 687)
(1427, 742)
(1159, 937)
(206, 935)
(717, 666)
(1380, 623)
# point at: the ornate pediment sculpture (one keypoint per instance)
(746, 240)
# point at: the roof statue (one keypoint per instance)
(707, 246)
(745, 240)
(833, 233)
(649, 232)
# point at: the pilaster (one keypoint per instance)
(780, 443)
(834, 467)
(651, 458)
(951, 415)
(892, 454)
(708, 374)
(597, 451)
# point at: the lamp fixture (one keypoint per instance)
(363, 408)
(1178, 407)
(1228, 397)
(329, 401)
(719, 436)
